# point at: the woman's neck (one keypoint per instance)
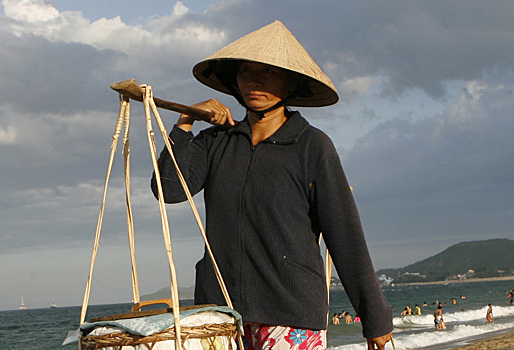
(262, 128)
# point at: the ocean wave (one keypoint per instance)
(417, 340)
(430, 338)
(402, 322)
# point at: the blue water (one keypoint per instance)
(47, 328)
(465, 319)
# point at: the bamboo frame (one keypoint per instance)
(179, 335)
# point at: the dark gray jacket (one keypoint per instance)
(266, 206)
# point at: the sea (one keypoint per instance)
(47, 328)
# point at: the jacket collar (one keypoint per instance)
(289, 132)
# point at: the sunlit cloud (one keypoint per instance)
(42, 19)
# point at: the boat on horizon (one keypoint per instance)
(53, 305)
(22, 306)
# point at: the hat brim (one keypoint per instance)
(275, 45)
(322, 94)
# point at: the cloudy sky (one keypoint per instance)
(424, 127)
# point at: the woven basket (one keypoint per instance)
(194, 334)
(210, 336)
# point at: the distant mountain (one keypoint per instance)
(183, 293)
(485, 258)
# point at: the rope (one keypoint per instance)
(168, 142)
(130, 220)
(328, 273)
(148, 100)
(96, 244)
(328, 269)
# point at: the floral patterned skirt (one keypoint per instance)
(262, 337)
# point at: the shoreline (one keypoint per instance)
(489, 279)
(499, 340)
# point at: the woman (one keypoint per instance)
(335, 319)
(407, 311)
(272, 183)
(489, 314)
(438, 318)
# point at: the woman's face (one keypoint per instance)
(262, 86)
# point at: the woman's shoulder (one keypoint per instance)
(313, 134)
(319, 142)
(320, 136)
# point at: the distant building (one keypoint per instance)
(385, 280)
(416, 274)
(336, 284)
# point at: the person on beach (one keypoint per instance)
(417, 310)
(454, 302)
(442, 324)
(357, 318)
(489, 314)
(335, 319)
(271, 184)
(407, 311)
(438, 318)
(342, 314)
(348, 318)
(511, 295)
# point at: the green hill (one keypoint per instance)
(485, 258)
(184, 293)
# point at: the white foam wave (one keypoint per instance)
(455, 317)
(459, 332)
(433, 337)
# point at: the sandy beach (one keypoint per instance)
(504, 341)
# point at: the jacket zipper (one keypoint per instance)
(243, 228)
(303, 266)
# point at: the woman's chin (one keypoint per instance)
(259, 105)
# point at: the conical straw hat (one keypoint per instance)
(275, 45)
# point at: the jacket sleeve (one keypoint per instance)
(191, 156)
(340, 224)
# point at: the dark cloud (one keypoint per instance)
(418, 44)
(423, 181)
(446, 176)
(40, 76)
